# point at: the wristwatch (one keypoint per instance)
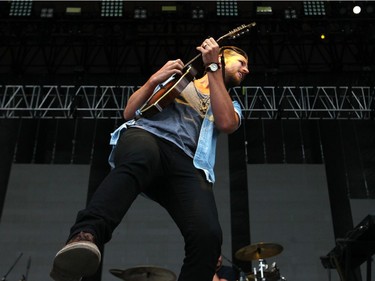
(212, 67)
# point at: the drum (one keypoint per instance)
(269, 274)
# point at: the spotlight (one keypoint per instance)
(356, 10)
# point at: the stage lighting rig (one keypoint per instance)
(227, 8)
(112, 8)
(20, 8)
(314, 8)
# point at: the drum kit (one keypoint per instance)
(259, 252)
(255, 252)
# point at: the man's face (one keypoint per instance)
(236, 69)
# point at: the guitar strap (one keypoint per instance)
(223, 64)
(222, 59)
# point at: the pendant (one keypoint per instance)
(204, 106)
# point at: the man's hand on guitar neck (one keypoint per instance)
(210, 51)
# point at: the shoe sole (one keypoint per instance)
(76, 260)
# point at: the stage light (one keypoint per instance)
(290, 13)
(322, 36)
(169, 8)
(264, 10)
(197, 13)
(46, 13)
(314, 8)
(356, 10)
(112, 8)
(73, 11)
(20, 8)
(140, 13)
(227, 8)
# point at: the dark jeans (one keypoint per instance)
(145, 163)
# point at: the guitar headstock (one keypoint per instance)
(238, 31)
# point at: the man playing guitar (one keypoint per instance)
(170, 158)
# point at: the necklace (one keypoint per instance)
(204, 100)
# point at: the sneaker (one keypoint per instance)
(80, 257)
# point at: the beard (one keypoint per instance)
(231, 81)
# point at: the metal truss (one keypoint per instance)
(306, 102)
(257, 102)
(64, 101)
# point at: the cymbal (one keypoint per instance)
(144, 273)
(258, 251)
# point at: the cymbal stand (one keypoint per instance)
(11, 268)
(262, 266)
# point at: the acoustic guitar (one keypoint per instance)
(166, 94)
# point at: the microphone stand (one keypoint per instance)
(11, 268)
(242, 273)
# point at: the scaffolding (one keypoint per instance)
(257, 102)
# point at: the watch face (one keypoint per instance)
(213, 67)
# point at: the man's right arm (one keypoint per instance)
(139, 97)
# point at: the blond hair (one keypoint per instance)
(231, 51)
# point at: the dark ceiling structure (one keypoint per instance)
(56, 53)
(76, 37)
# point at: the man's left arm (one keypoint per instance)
(226, 119)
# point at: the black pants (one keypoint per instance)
(146, 163)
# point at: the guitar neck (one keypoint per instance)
(194, 59)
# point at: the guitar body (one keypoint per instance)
(166, 95)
